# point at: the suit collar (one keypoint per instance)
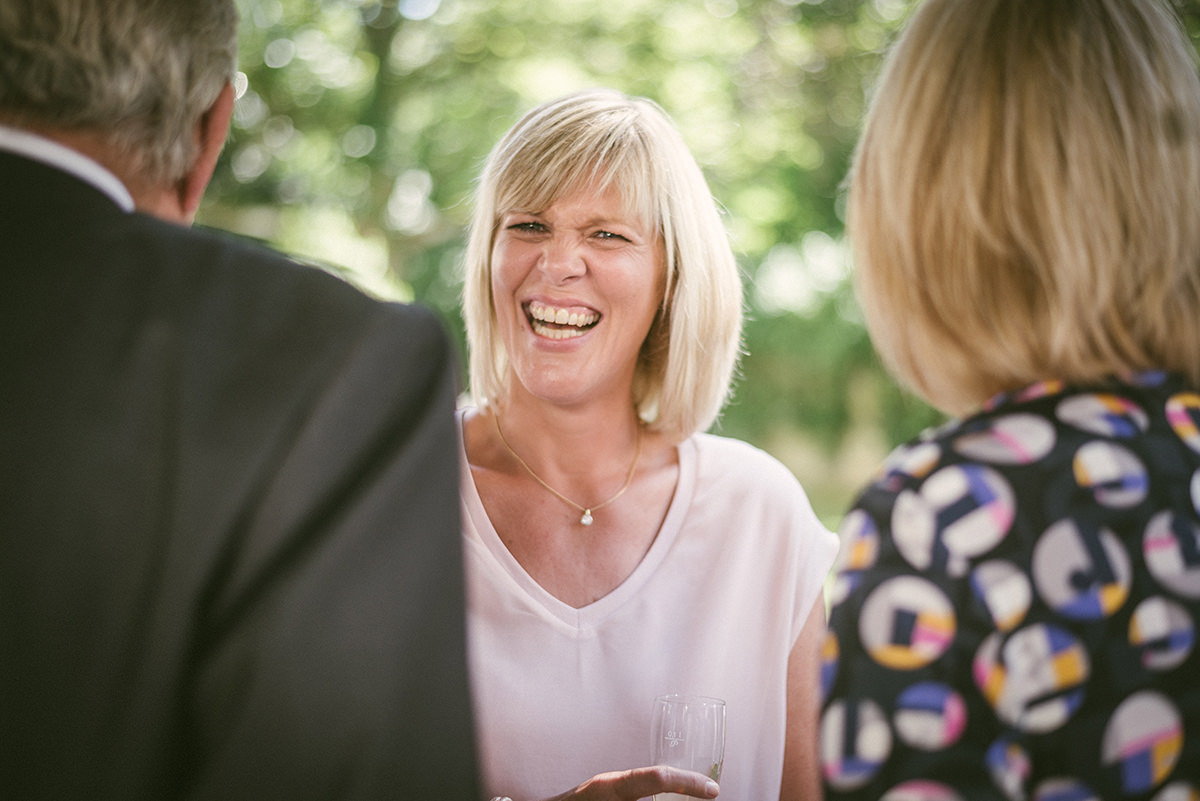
(47, 151)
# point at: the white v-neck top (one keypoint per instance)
(714, 607)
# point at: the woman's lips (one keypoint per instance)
(559, 322)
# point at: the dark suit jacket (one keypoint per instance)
(230, 563)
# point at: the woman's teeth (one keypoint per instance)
(557, 323)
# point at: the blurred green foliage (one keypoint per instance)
(361, 126)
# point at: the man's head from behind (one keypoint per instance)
(137, 74)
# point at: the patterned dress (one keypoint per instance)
(1015, 611)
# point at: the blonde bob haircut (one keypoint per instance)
(1025, 199)
(596, 139)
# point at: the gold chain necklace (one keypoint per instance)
(586, 520)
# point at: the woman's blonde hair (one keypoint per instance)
(600, 138)
(1025, 199)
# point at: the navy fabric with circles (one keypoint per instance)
(1016, 605)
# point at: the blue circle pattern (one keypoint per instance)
(1067, 669)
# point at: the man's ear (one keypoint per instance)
(211, 130)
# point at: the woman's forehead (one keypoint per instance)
(631, 202)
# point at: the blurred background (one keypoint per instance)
(361, 125)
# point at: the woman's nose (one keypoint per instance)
(562, 260)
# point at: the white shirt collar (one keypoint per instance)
(47, 151)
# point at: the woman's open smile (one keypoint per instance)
(558, 322)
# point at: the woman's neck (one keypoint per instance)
(579, 444)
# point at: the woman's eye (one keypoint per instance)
(527, 227)
(610, 236)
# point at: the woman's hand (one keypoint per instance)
(630, 785)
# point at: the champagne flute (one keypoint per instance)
(688, 731)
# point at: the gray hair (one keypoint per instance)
(138, 72)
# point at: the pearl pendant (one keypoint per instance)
(586, 520)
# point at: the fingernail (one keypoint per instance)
(711, 788)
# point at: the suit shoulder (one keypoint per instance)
(258, 271)
(255, 294)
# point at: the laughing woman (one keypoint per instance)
(614, 551)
